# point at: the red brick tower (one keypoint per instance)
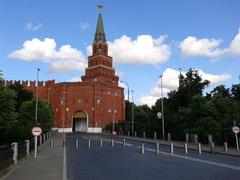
(90, 105)
(100, 64)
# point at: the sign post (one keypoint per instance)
(36, 131)
(236, 130)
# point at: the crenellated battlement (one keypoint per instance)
(30, 84)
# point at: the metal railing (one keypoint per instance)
(6, 154)
(15, 152)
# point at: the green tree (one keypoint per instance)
(26, 118)
(224, 110)
(189, 86)
(1, 78)
(22, 95)
(7, 113)
(236, 92)
(220, 91)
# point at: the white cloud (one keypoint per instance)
(149, 100)
(75, 79)
(144, 50)
(84, 25)
(64, 59)
(29, 26)
(170, 82)
(213, 78)
(193, 47)
(120, 74)
(235, 45)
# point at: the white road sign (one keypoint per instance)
(36, 131)
(235, 129)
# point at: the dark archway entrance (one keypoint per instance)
(80, 121)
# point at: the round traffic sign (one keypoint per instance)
(36, 131)
(114, 133)
(159, 114)
(235, 129)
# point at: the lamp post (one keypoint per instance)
(163, 133)
(132, 114)
(113, 118)
(36, 112)
(127, 87)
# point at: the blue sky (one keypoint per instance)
(146, 38)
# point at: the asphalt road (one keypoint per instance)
(118, 162)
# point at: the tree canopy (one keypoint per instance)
(18, 111)
(187, 110)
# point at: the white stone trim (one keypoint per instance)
(64, 130)
(94, 130)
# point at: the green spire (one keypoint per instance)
(100, 35)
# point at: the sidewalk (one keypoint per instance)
(48, 165)
(218, 149)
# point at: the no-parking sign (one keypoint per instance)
(36, 131)
(235, 129)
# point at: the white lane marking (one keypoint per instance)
(130, 145)
(191, 158)
(149, 149)
(198, 160)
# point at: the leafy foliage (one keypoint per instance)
(26, 118)
(186, 110)
(7, 113)
(21, 94)
(18, 111)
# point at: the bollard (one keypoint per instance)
(212, 148)
(171, 148)
(112, 142)
(169, 136)
(142, 148)
(124, 142)
(157, 148)
(186, 148)
(101, 143)
(144, 135)
(199, 148)
(51, 143)
(135, 134)
(155, 135)
(27, 147)
(128, 133)
(40, 139)
(187, 138)
(195, 138)
(44, 137)
(77, 144)
(15, 152)
(89, 143)
(225, 147)
(209, 139)
(35, 146)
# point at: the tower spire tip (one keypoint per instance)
(100, 8)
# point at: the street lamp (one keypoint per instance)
(127, 87)
(36, 113)
(162, 115)
(132, 114)
(113, 118)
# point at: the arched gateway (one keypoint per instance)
(80, 121)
